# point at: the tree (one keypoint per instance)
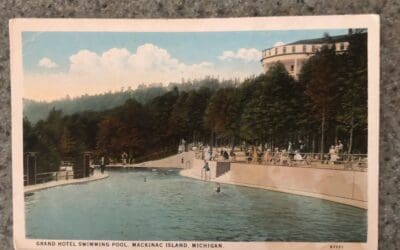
(160, 109)
(67, 143)
(29, 136)
(284, 103)
(178, 123)
(109, 131)
(222, 115)
(126, 129)
(353, 82)
(186, 120)
(321, 86)
(42, 139)
(271, 108)
(256, 123)
(197, 102)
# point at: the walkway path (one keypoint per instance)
(174, 161)
(96, 176)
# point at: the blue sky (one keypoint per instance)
(74, 57)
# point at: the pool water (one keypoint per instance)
(160, 204)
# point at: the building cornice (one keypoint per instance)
(286, 54)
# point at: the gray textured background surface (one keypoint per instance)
(389, 219)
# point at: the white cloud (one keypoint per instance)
(244, 54)
(46, 62)
(84, 61)
(92, 73)
(227, 55)
(279, 44)
(147, 58)
(115, 59)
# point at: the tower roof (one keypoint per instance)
(329, 39)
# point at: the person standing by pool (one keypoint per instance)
(255, 155)
(225, 155)
(332, 155)
(340, 148)
(102, 164)
(124, 156)
(206, 169)
(232, 155)
(207, 153)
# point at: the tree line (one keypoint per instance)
(39, 110)
(326, 103)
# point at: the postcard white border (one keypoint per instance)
(371, 22)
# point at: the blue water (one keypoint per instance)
(170, 207)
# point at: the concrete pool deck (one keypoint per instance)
(174, 161)
(96, 176)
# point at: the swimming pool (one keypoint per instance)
(160, 204)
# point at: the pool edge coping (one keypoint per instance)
(37, 187)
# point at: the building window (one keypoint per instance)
(342, 46)
(284, 50)
(304, 48)
(293, 49)
(276, 51)
(291, 67)
(313, 48)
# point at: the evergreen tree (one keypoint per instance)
(256, 123)
(321, 87)
(178, 122)
(353, 93)
(222, 115)
(67, 143)
(160, 109)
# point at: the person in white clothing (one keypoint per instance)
(297, 156)
(332, 154)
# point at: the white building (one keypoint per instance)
(294, 55)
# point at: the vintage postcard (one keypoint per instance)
(237, 133)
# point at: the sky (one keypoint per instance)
(57, 64)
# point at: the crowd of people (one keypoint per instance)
(292, 154)
(207, 153)
(282, 156)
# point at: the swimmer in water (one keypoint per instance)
(218, 188)
(145, 179)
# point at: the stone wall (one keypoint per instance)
(342, 186)
(337, 183)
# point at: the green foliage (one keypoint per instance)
(353, 82)
(336, 93)
(43, 139)
(35, 111)
(273, 111)
(222, 115)
(67, 144)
